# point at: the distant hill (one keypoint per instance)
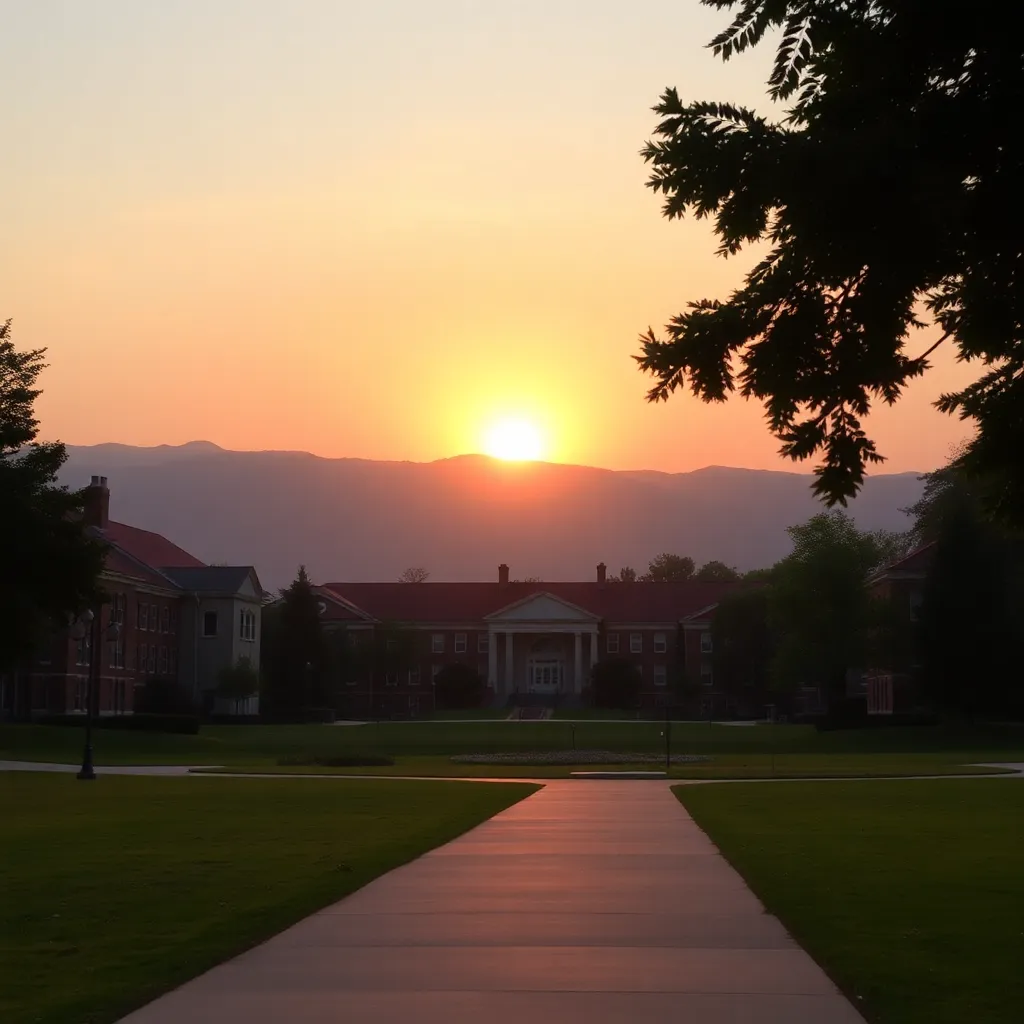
(360, 520)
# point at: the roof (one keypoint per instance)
(150, 548)
(221, 579)
(472, 602)
(121, 563)
(916, 562)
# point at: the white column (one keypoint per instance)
(577, 661)
(492, 660)
(509, 663)
(593, 648)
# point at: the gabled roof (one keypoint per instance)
(472, 602)
(211, 579)
(335, 608)
(150, 548)
(916, 563)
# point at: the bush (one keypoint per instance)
(184, 725)
(163, 697)
(338, 760)
(458, 686)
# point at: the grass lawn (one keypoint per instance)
(910, 894)
(724, 766)
(755, 746)
(115, 891)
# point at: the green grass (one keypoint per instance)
(117, 890)
(910, 894)
(725, 766)
(263, 744)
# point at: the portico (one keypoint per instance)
(541, 640)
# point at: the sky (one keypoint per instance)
(375, 229)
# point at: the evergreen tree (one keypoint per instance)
(49, 566)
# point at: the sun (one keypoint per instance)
(514, 440)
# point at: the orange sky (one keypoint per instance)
(368, 229)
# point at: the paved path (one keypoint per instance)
(587, 903)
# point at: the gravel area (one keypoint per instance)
(575, 757)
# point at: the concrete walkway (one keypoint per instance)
(587, 903)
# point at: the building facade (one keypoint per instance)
(530, 642)
(166, 618)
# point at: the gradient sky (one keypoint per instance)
(368, 228)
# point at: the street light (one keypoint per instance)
(86, 626)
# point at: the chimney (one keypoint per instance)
(602, 571)
(503, 575)
(97, 503)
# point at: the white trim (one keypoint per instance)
(587, 616)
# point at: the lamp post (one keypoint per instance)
(86, 626)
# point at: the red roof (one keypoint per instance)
(918, 560)
(472, 602)
(151, 548)
(117, 561)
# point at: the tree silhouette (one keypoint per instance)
(414, 574)
(888, 199)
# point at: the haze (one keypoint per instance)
(368, 229)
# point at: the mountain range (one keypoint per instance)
(365, 520)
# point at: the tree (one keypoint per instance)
(294, 650)
(669, 568)
(888, 201)
(973, 599)
(414, 574)
(820, 608)
(627, 574)
(742, 640)
(615, 683)
(716, 572)
(458, 685)
(238, 682)
(49, 564)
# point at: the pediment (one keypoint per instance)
(542, 607)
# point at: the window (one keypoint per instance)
(391, 646)
(460, 643)
(165, 620)
(117, 607)
(119, 701)
(172, 622)
(639, 670)
(434, 672)
(706, 676)
(636, 643)
(162, 668)
(82, 650)
(247, 624)
(705, 643)
(143, 656)
(660, 643)
(482, 643)
(414, 677)
(437, 643)
(915, 607)
(612, 643)
(390, 678)
(660, 675)
(143, 616)
(154, 618)
(151, 660)
(172, 663)
(80, 694)
(209, 623)
(117, 653)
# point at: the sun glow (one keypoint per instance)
(514, 441)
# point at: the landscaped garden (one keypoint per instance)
(910, 894)
(117, 890)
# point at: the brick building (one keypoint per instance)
(531, 639)
(166, 616)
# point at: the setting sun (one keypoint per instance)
(514, 440)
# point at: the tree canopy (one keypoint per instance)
(49, 566)
(414, 574)
(669, 568)
(887, 200)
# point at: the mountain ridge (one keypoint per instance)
(365, 520)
